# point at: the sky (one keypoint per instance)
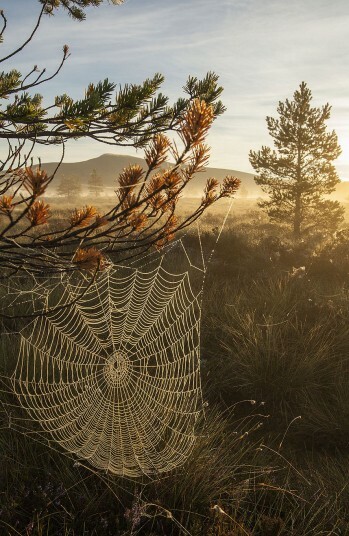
(262, 51)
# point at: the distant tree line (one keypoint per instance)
(70, 187)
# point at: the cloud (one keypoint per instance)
(262, 51)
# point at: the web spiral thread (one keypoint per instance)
(114, 378)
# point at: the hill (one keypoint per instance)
(108, 166)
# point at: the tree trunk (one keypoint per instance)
(298, 200)
(297, 218)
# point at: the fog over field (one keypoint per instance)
(109, 166)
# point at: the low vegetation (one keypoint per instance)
(271, 456)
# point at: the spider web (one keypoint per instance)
(111, 372)
(109, 369)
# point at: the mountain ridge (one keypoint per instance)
(108, 166)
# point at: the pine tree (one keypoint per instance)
(299, 172)
(95, 184)
(69, 187)
(143, 215)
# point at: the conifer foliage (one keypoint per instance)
(69, 187)
(95, 184)
(299, 171)
(137, 115)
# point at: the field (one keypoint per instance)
(271, 456)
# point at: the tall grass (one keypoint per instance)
(231, 484)
(274, 348)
